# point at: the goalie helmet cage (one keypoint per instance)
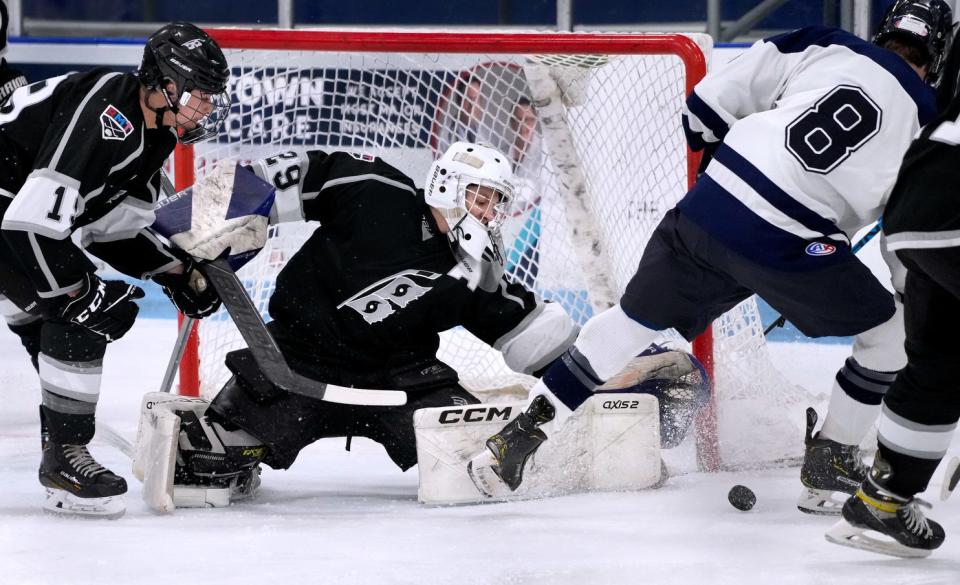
(600, 164)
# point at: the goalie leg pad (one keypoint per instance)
(186, 460)
(612, 442)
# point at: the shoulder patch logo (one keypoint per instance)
(821, 249)
(386, 296)
(115, 125)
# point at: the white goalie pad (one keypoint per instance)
(611, 443)
(155, 452)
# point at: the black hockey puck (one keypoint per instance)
(741, 497)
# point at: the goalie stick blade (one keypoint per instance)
(268, 355)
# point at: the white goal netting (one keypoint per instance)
(599, 166)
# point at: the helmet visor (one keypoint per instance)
(490, 202)
(201, 115)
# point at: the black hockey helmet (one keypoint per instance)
(927, 23)
(182, 53)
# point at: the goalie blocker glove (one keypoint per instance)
(189, 291)
(105, 307)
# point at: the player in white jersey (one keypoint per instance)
(808, 130)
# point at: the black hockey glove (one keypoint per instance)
(105, 307)
(189, 292)
(10, 80)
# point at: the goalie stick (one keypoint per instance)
(781, 320)
(267, 354)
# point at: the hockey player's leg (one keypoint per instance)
(70, 365)
(605, 345)
(833, 468)
(917, 423)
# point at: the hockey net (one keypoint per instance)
(600, 156)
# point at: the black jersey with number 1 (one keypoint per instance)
(76, 153)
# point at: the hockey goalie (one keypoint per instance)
(361, 305)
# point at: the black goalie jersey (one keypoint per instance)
(369, 290)
(76, 153)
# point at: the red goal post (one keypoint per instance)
(432, 63)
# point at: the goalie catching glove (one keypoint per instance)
(105, 307)
(189, 291)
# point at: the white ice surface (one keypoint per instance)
(352, 518)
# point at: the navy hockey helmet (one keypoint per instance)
(927, 23)
(182, 53)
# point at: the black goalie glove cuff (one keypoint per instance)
(105, 307)
(189, 292)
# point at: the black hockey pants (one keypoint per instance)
(926, 394)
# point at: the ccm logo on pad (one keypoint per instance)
(471, 415)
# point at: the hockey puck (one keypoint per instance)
(741, 497)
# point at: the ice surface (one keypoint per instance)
(352, 518)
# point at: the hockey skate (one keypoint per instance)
(77, 485)
(902, 528)
(831, 472)
(502, 463)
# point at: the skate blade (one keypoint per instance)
(821, 502)
(487, 482)
(950, 479)
(62, 503)
(845, 534)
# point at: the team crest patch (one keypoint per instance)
(387, 296)
(115, 125)
(821, 249)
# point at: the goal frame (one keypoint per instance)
(681, 46)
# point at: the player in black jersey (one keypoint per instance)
(922, 407)
(363, 301)
(81, 158)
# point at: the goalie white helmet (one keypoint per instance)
(472, 185)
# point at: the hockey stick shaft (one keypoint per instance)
(267, 354)
(179, 347)
(781, 320)
(950, 479)
(113, 437)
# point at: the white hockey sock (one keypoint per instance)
(605, 346)
(847, 420)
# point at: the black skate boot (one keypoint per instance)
(908, 533)
(77, 484)
(831, 472)
(217, 463)
(507, 452)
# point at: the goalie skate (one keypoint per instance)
(77, 485)
(830, 474)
